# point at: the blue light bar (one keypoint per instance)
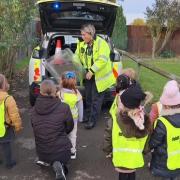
(56, 5)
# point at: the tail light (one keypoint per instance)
(36, 90)
(115, 73)
(37, 71)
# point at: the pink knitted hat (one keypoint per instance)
(171, 94)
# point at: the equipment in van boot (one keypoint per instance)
(58, 46)
(63, 60)
(58, 59)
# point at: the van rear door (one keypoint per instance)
(68, 16)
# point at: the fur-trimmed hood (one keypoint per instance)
(128, 127)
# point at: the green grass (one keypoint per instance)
(150, 80)
(22, 64)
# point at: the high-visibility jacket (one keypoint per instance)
(2, 120)
(98, 62)
(71, 100)
(173, 144)
(127, 152)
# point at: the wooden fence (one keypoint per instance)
(149, 66)
(140, 41)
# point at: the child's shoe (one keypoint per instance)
(66, 171)
(73, 155)
(58, 169)
(42, 163)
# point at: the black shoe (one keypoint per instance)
(89, 125)
(73, 155)
(66, 171)
(58, 168)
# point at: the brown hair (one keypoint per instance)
(4, 85)
(69, 83)
(48, 88)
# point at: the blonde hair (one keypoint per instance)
(4, 85)
(130, 72)
(69, 83)
(48, 88)
(89, 28)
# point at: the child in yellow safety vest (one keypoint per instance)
(123, 82)
(129, 131)
(70, 95)
(165, 139)
(10, 121)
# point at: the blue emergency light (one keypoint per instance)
(57, 6)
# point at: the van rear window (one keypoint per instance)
(79, 15)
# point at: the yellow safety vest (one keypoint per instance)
(127, 152)
(173, 144)
(99, 61)
(2, 120)
(71, 100)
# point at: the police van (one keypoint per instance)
(61, 20)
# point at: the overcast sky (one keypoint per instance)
(135, 8)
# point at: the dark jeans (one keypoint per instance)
(63, 157)
(165, 174)
(6, 147)
(127, 176)
(94, 100)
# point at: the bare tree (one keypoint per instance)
(172, 23)
(163, 14)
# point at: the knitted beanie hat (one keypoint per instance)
(132, 97)
(171, 94)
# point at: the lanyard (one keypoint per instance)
(89, 52)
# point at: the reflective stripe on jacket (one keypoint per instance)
(173, 144)
(98, 62)
(127, 152)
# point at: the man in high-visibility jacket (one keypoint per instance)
(94, 55)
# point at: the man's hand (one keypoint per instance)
(89, 75)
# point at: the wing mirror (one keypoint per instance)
(36, 54)
(115, 56)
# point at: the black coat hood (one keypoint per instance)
(51, 120)
(46, 104)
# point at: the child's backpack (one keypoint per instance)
(2, 118)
